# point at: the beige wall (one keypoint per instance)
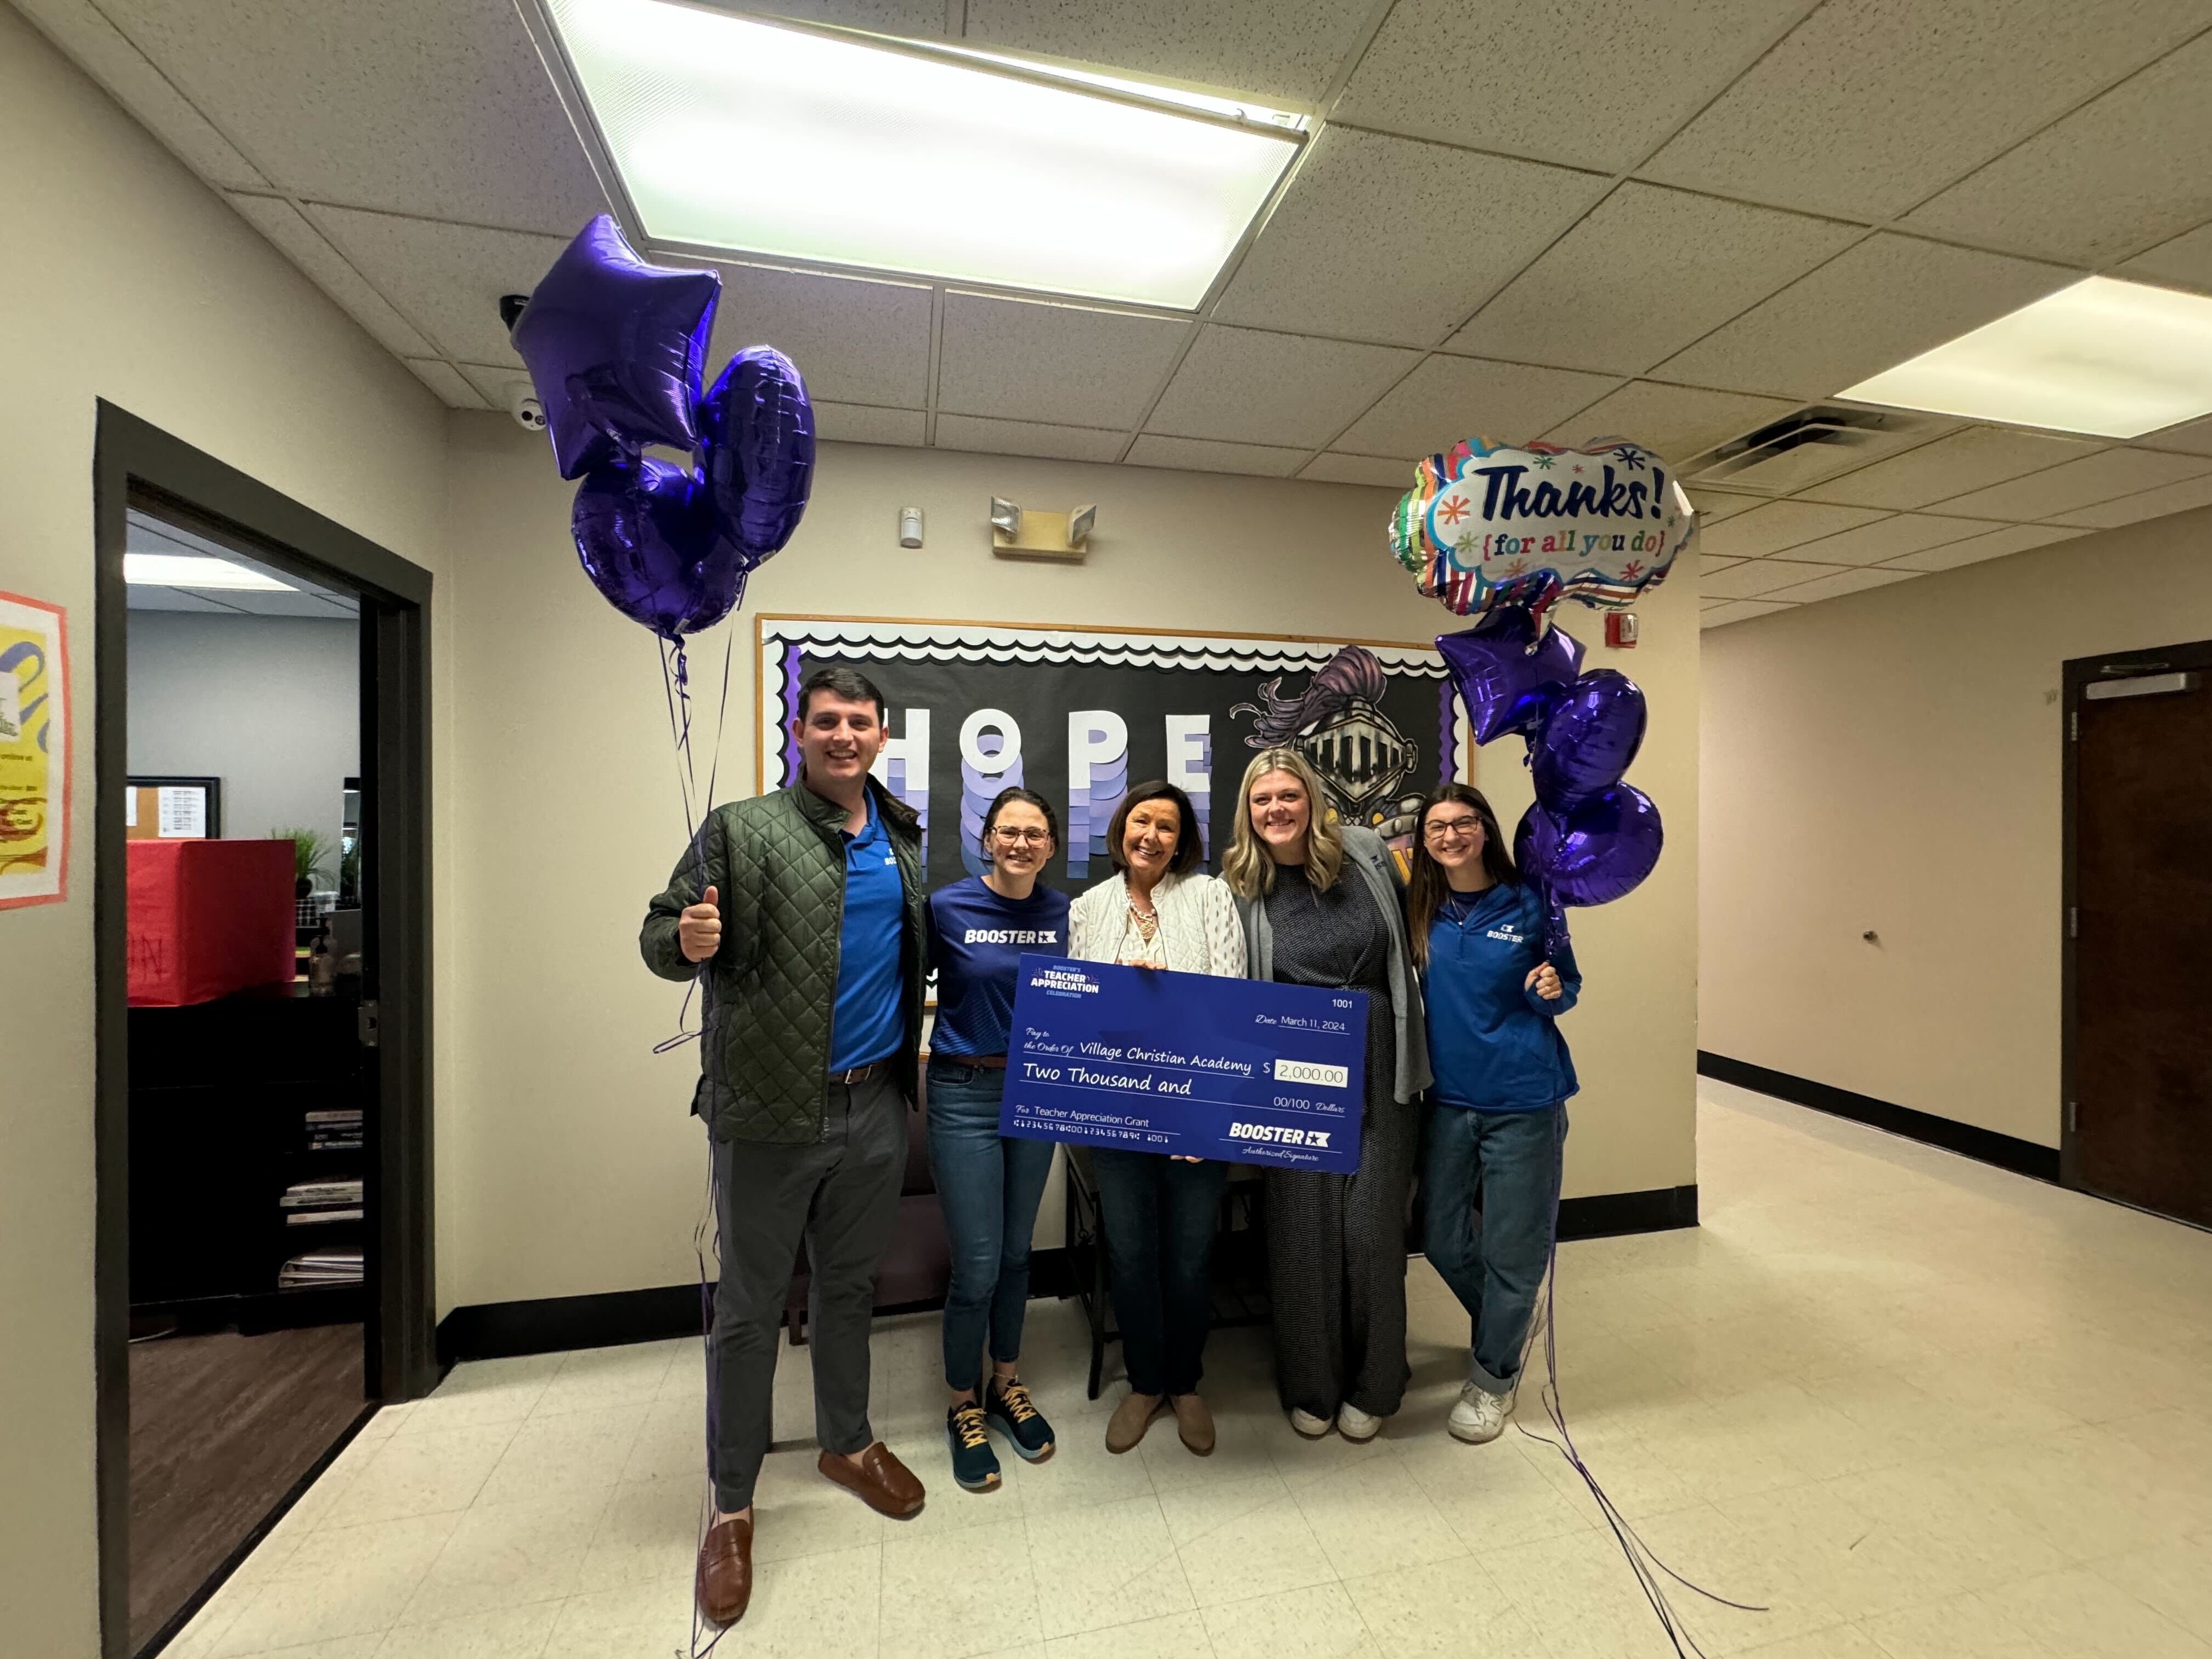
(124, 277)
(1892, 760)
(566, 1161)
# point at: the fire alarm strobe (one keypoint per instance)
(1620, 628)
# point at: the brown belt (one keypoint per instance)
(860, 1074)
(989, 1062)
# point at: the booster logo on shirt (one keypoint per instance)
(1011, 936)
(1508, 935)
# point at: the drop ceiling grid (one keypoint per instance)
(82, 28)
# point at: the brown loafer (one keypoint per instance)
(726, 1571)
(1195, 1424)
(1131, 1419)
(885, 1484)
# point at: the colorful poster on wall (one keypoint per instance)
(1078, 714)
(35, 771)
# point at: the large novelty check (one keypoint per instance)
(1151, 1061)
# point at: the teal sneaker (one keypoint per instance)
(1015, 1415)
(974, 1465)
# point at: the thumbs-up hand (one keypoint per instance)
(699, 929)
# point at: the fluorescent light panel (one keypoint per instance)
(741, 136)
(192, 570)
(2107, 358)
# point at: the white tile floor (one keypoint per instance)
(1920, 1408)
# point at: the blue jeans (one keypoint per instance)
(989, 1185)
(1159, 1217)
(1512, 1160)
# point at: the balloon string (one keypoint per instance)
(676, 685)
(1642, 1559)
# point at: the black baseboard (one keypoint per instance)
(502, 1330)
(1607, 1215)
(2026, 1158)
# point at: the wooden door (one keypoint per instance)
(2139, 1002)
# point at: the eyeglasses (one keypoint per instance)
(1451, 828)
(1021, 837)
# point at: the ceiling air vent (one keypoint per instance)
(1795, 450)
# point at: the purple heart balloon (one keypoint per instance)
(756, 428)
(1594, 728)
(1594, 851)
(647, 535)
(615, 348)
(1509, 673)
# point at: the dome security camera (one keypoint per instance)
(522, 404)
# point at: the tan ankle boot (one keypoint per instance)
(1195, 1424)
(1131, 1419)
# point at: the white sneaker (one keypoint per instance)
(1480, 1416)
(1307, 1424)
(1356, 1424)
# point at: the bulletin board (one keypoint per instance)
(173, 809)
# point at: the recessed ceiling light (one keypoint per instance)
(731, 134)
(192, 570)
(2111, 358)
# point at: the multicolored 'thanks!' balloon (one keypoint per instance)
(1487, 526)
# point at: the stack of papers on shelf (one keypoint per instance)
(321, 1194)
(321, 1268)
(334, 1130)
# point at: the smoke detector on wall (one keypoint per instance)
(1810, 445)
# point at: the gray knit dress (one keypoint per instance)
(1336, 1244)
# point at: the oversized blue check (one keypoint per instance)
(1153, 1061)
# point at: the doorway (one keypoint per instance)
(2137, 1061)
(264, 1252)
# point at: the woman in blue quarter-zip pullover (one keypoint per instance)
(1499, 1113)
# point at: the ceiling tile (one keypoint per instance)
(1886, 539)
(1713, 505)
(1869, 309)
(1870, 105)
(307, 247)
(1254, 387)
(1842, 582)
(1021, 360)
(1058, 443)
(1387, 238)
(442, 377)
(1720, 616)
(97, 48)
(1490, 75)
(1449, 398)
(1674, 421)
(1283, 49)
(2185, 261)
(2150, 504)
(2190, 437)
(1778, 525)
(419, 106)
(1202, 455)
(492, 382)
(1756, 577)
(1979, 456)
(448, 278)
(1389, 474)
(1646, 273)
(856, 424)
(2132, 166)
(854, 341)
(2012, 538)
(2080, 484)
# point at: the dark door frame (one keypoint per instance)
(137, 463)
(2081, 673)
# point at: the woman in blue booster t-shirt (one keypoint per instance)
(988, 1184)
(1498, 1113)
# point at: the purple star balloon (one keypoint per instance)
(1508, 674)
(615, 348)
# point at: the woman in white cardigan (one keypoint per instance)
(1158, 1213)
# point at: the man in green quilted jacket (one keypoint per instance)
(807, 903)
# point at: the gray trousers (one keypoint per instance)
(841, 1193)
